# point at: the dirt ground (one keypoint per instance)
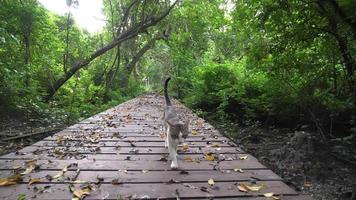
(28, 130)
(325, 171)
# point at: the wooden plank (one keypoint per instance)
(144, 191)
(149, 177)
(108, 157)
(128, 144)
(128, 150)
(135, 165)
(141, 138)
(120, 134)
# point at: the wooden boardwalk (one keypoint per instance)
(120, 154)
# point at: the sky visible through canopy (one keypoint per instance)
(87, 15)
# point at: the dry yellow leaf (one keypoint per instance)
(243, 157)
(188, 159)
(81, 192)
(211, 181)
(185, 147)
(216, 145)
(31, 162)
(252, 188)
(276, 198)
(34, 180)
(145, 171)
(79, 181)
(60, 174)
(28, 170)
(59, 139)
(12, 180)
(17, 166)
(65, 168)
(162, 135)
(194, 132)
(209, 157)
(242, 188)
(4, 182)
(270, 194)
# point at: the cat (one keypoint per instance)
(175, 130)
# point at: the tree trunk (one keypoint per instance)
(129, 33)
(131, 65)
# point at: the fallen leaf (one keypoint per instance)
(204, 189)
(79, 181)
(17, 166)
(190, 186)
(216, 145)
(185, 147)
(164, 159)
(184, 172)
(115, 182)
(209, 157)
(34, 180)
(270, 194)
(243, 157)
(194, 132)
(211, 181)
(145, 171)
(65, 168)
(81, 192)
(238, 170)
(60, 174)
(12, 180)
(276, 198)
(172, 181)
(4, 182)
(162, 135)
(60, 139)
(252, 187)
(242, 188)
(31, 162)
(28, 170)
(188, 159)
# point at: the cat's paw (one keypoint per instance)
(174, 165)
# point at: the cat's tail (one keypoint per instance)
(168, 101)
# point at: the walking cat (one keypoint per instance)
(175, 130)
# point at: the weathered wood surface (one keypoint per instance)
(120, 153)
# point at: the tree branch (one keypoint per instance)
(124, 36)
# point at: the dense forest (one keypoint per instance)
(281, 63)
(267, 64)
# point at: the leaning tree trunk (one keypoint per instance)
(129, 33)
(131, 65)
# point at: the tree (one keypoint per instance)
(128, 29)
